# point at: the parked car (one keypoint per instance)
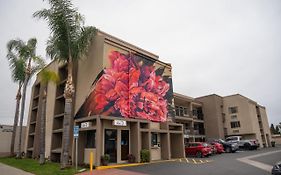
(198, 149)
(219, 147)
(251, 144)
(213, 148)
(228, 147)
(276, 169)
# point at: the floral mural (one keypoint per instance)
(130, 87)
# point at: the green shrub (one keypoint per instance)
(145, 155)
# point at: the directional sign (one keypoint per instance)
(76, 131)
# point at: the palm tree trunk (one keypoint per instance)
(22, 115)
(16, 120)
(43, 128)
(68, 94)
(26, 79)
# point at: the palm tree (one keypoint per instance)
(17, 67)
(33, 63)
(68, 42)
(46, 76)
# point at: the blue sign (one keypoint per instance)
(76, 131)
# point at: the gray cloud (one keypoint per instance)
(217, 46)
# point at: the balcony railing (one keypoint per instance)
(187, 131)
(199, 132)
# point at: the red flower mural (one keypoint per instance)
(131, 89)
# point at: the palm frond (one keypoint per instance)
(68, 37)
(85, 38)
(48, 76)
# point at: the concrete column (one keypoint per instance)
(135, 140)
(99, 141)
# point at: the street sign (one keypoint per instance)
(76, 131)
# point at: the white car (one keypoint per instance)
(251, 144)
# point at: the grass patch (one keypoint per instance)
(32, 166)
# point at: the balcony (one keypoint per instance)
(199, 132)
(187, 131)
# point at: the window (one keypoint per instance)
(233, 110)
(91, 139)
(225, 131)
(181, 111)
(154, 139)
(235, 124)
(233, 117)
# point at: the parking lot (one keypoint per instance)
(228, 163)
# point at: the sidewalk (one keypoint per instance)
(8, 170)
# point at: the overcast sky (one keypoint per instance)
(214, 46)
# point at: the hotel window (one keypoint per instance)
(235, 124)
(234, 117)
(233, 110)
(154, 139)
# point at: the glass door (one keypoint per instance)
(110, 144)
(124, 144)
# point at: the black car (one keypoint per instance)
(228, 147)
(276, 170)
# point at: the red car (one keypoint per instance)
(198, 149)
(218, 146)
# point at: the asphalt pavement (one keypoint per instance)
(224, 164)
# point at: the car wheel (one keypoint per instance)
(198, 154)
(228, 150)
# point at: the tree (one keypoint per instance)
(272, 129)
(68, 42)
(277, 130)
(33, 63)
(17, 67)
(46, 76)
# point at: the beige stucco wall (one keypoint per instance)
(51, 96)
(244, 115)
(212, 116)
(6, 137)
(265, 125)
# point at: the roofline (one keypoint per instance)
(209, 96)
(187, 97)
(132, 47)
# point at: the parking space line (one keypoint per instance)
(187, 161)
(194, 161)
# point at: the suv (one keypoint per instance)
(198, 149)
(252, 144)
(228, 147)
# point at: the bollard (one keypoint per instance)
(91, 162)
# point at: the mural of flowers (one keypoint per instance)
(129, 87)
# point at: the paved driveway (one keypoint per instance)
(224, 164)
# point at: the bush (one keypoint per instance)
(131, 158)
(145, 155)
(105, 159)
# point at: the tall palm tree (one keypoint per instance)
(46, 76)
(17, 67)
(68, 42)
(33, 63)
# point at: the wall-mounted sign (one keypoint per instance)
(85, 124)
(119, 123)
(186, 136)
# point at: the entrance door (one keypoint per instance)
(110, 144)
(124, 144)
